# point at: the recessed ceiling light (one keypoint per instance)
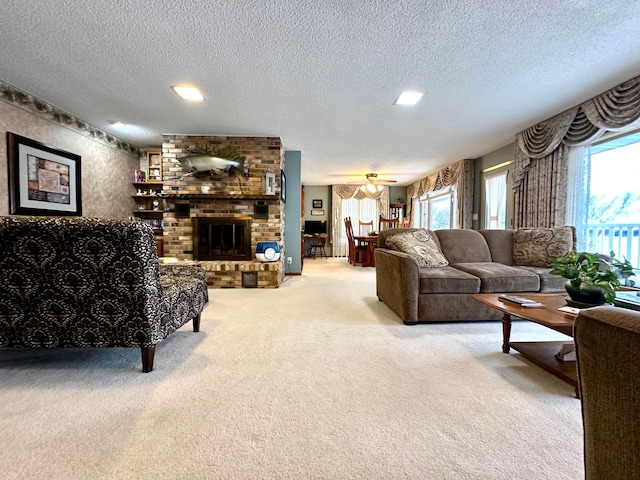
(408, 98)
(117, 123)
(189, 93)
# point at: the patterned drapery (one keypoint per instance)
(339, 192)
(354, 191)
(460, 174)
(542, 151)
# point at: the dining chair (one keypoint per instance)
(316, 246)
(386, 223)
(365, 227)
(356, 252)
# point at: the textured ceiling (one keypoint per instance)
(323, 75)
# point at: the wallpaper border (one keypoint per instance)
(32, 104)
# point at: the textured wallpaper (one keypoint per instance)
(107, 173)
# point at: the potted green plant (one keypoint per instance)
(592, 278)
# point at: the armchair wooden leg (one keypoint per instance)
(147, 358)
(196, 323)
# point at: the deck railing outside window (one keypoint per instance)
(623, 239)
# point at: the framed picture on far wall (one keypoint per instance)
(316, 203)
(42, 180)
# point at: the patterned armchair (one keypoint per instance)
(86, 282)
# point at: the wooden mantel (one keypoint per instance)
(219, 196)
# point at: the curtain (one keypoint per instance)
(355, 209)
(496, 190)
(540, 199)
(578, 173)
(461, 176)
(542, 151)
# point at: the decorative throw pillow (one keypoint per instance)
(539, 247)
(420, 245)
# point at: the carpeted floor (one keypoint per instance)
(314, 380)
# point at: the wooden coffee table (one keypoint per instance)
(542, 354)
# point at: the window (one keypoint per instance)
(437, 209)
(607, 208)
(495, 200)
(360, 210)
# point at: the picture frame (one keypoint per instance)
(317, 213)
(269, 183)
(43, 180)
(316, 203)
(283, 187)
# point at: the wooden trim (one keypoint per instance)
(495, 167)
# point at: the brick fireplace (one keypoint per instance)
(222, 238)
(230, 200)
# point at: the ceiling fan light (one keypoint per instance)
(371, 187)
(363, 188)
(379, 187)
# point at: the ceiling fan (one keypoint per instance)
(373, 183)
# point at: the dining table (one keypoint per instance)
(371, 242)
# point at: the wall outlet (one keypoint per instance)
(289, 260)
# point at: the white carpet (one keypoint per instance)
(314, 380)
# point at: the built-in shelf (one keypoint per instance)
(148, 184)
(145, 211)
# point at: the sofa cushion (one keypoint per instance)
(463, 246)
(420, 245)
(447, 280)
(549, 282)
(383, 234)
(496, 277)
(500, 243)
(539, 247)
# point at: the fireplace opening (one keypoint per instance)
(222, 238)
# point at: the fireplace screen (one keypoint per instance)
(218, 238)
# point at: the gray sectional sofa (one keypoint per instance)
(485, 261)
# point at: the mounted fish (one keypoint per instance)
(203, 162)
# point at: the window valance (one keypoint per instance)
(617, 109)
(460, 175)
(354, 191)
(436, 181)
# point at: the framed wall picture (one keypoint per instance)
(283, 186)
(270, 183)
(42, 180)
(316, 203)
(317, 213)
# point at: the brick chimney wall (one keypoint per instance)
(261, 154)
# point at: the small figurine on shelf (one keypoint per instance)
(156, 204)
(139, 192)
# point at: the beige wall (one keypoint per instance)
(107, 173)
